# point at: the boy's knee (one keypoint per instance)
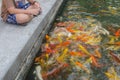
(23, 18)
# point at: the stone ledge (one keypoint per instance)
(19, 44)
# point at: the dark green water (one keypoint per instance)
(105, 11)
(90, 13)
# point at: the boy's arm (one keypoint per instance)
(13, 10)
(31, 1)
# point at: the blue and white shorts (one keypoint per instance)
(12, 17)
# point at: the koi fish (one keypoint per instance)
(82, 66)
(98, 54)
(117, 33)
(109, 75)
(94, 61)
(115, 43)
(66, 43)
(61, 24)
(81, 36)
(59, 38)
(47, 37)
(89, 60)
(52, 46)
(70, 30)
(112, 75)
(48, 50)
(114, 57)
(73, 53)
(63, 44)
(54, 71)
(62, 56)
(83, 49)
(112, 39)
(111, 28)
(77, 54)
(94, 41)
(112, 10)
(37, 59)
(38, 74)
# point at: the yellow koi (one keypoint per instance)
(112, 75)
(98, 54)
(61, 57)
(83, 49)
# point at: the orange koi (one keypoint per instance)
(66, 43)
(82, 66)
(117, 43)
(73, 53)
(85, 39)
(98, 54)
(65, 65)
(37, 59)
(115, 57)
(48, 50)
(70, 30)
(77, 54)
(61, 24)
(117, 33)
(95, 62)
(47, 37)
(80, 36)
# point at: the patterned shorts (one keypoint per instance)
(12, 17)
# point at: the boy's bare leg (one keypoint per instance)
(24, 18)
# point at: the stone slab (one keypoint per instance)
(19, 43)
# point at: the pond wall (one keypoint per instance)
(19, 44)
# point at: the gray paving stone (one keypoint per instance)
(17, 42)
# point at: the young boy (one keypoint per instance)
(19, 12)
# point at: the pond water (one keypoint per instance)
(83, 44)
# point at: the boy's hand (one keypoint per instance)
(37, 5)
(34, 11)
